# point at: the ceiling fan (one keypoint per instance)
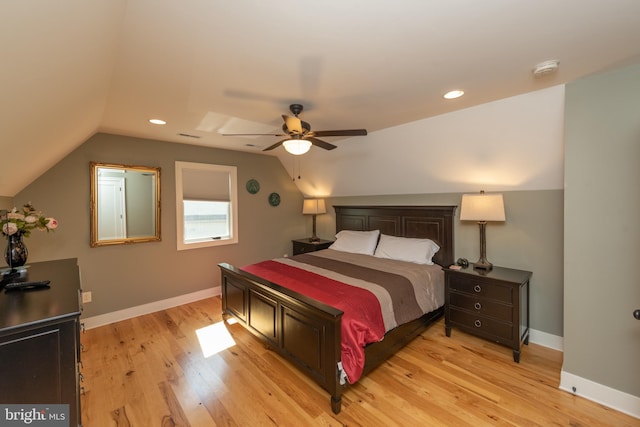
(298, 134)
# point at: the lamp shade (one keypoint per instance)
(314, 206)
(297, 146)
(482, 207)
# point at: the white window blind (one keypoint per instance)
(206, 205)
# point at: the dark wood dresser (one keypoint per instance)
(491, 304)
(301, 246)
(39, 338)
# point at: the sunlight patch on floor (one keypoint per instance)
(214, 338)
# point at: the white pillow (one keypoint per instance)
(358, 242)
(419, 251)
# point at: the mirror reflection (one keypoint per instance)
(125, 204)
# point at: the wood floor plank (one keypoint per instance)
(152, 371)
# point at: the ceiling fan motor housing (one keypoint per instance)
(295, 109)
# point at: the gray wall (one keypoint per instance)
(6, 202)
(129, 275)
(602, 232)
(531, 239)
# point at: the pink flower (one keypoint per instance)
(52, 223)
(10, 228)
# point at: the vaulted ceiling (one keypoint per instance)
(71, 68)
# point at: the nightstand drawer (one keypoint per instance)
(484, 326)
(302, 246)
(299, 248)
(481, 287)
(482, 306)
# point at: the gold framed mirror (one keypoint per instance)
(125, 204)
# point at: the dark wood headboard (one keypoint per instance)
(423, 222)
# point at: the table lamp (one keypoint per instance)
(482, 208)
(314, 207)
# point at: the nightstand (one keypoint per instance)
(301, 246)
(490, 304)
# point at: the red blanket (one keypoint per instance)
(362, 321)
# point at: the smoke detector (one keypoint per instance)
(546, 67)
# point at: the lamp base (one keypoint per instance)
(483, 265)
(314, 238)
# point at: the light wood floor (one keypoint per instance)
(151, 371)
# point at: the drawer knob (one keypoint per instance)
(477, 306)
(477, 323)
(477, 288)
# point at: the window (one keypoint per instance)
(206, 205)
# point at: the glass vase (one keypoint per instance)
(16, 253)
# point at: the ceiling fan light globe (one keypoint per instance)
(297, 146)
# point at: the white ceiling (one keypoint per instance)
(71, 68)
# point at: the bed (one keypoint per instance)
(308, 332)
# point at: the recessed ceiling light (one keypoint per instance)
(453, 94)
(158, 122)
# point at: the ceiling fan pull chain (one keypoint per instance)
(295, 160)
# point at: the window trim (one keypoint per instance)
(233, 199)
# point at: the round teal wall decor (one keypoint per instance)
(253, 186)
(274, 199)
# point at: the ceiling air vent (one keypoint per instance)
(189, 136)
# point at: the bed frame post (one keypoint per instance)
(335, 387)
(336, 404)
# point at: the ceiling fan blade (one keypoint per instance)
(253, 134)
(320, 143)
(294, 124)
(345, 132)
(276, 145)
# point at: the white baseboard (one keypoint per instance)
(615, 399)
(128, 313)
(547, 340)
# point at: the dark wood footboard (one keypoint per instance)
(303, 330)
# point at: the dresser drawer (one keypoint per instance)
(482, 325)
(482, 306)
(481, 287)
